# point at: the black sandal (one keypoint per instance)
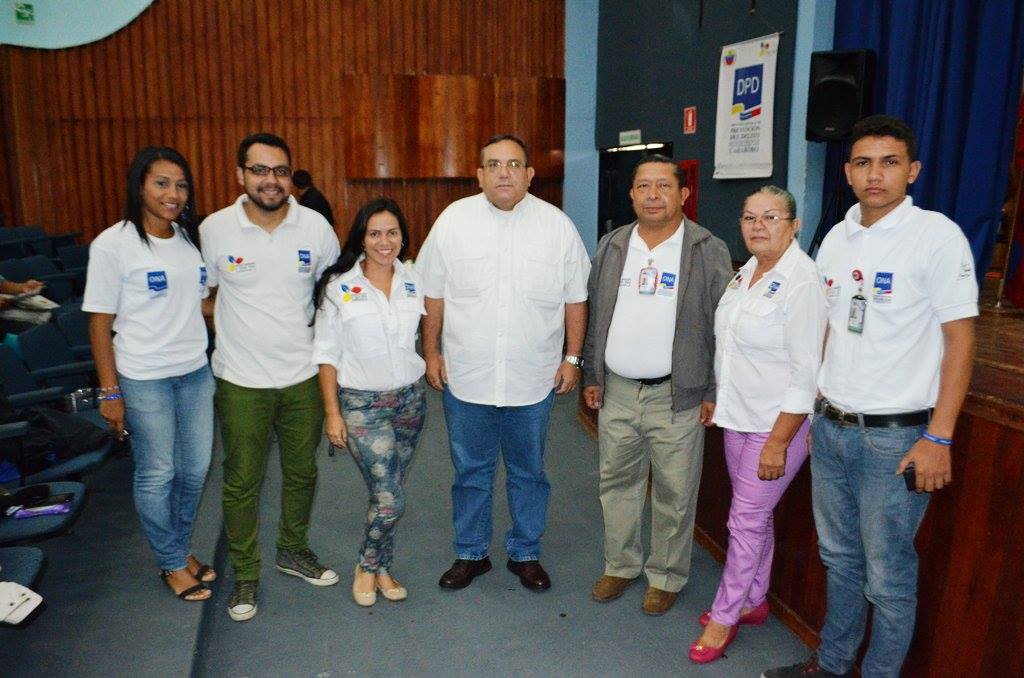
(202, 571)
(184, 595)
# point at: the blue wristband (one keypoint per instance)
(937, 439)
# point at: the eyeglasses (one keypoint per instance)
(766, 219)
(494, 166)
(262, 170)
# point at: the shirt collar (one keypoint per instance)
(292, 217)
(506, 214)
(890, 220)
(675, 239)
(357, 271)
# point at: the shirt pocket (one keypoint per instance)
(409, 311)
(759, 328)
(541, 279)
(469, 276)
(364, 329)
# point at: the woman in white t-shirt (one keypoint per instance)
(769, 331)
(144, 290)
(368, 310)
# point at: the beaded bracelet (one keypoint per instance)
(112, 396)
(937, 439)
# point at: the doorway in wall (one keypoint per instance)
(616, 166)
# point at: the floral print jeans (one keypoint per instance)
(383, 429)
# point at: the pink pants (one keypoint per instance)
(748, 562)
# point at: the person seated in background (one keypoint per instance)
(311, 197)
(769, 328)
(8, 326)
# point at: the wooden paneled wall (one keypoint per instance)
(386, 96)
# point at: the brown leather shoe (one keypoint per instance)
(463, 572)
(609, 588)
(657, 602)
(531, 574)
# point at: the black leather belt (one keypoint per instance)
(830, 411)
(654, 381)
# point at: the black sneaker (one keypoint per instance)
(805, 669)
(242, 601)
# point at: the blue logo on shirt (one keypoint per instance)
(305, 261)
(202, 276)
(157, 281)
(410, 289)
(668, 281)
(773, 287)
(883, 283)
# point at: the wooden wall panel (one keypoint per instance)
(389, 96)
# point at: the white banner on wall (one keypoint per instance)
(746, 104)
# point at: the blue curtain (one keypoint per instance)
(952, 69)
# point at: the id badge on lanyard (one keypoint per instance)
(858, 305)
(648, 278)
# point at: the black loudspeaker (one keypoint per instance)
(839, 94)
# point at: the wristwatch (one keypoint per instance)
(574, 360)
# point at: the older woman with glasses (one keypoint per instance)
(769, 329)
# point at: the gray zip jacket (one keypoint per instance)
(705, 269)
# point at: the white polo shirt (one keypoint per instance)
(368, 338)
(505, 277)
(643, 326)
(918, 272)
(768, 343)
(264, 298)
(155, 292)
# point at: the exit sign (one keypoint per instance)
(24, 13)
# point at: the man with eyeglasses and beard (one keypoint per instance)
(263, 255)
(504, 279)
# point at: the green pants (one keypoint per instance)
(246, 416)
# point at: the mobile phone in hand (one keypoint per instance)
(910, 478)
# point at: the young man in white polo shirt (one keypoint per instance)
(263, 255)
(649, 369)
(902, 297)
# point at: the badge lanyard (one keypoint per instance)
(648, 278)
(858, 304)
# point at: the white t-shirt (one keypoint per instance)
(917, 272)
(643, 326)
(264, 297)
(768, 343)
(370, 340)
(155, 292)
(505, 277)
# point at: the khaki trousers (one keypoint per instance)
(638, 433)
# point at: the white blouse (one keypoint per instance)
(369, 339)
(768, 342)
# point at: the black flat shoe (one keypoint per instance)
(463, 572)
(531, 574)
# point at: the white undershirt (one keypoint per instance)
(643, 325)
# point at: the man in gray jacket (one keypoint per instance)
(648, 368)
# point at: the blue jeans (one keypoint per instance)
(383, 429)
(866, 521)
(476, 435)
(171, 424)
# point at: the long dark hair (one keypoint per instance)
(137, 173)
(353, 246)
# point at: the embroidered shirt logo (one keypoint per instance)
(305, 261)
(156, 281)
